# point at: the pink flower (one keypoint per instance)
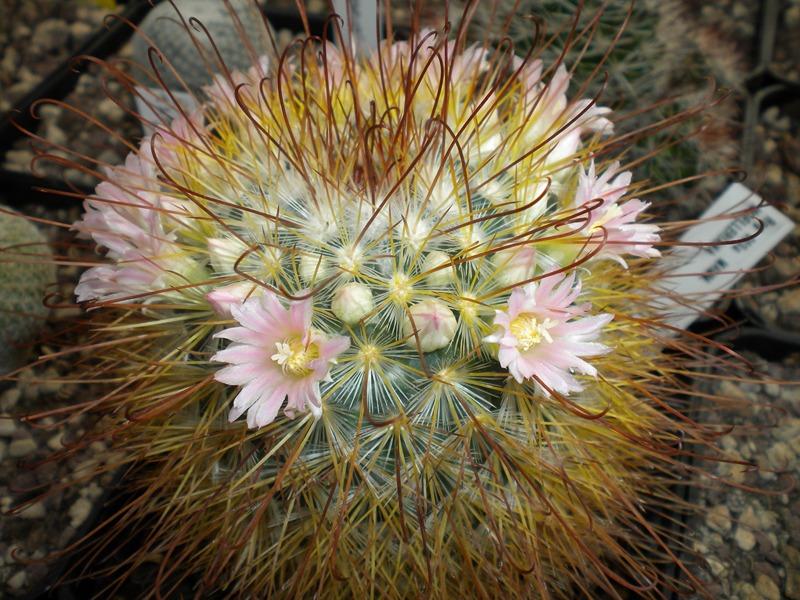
(222, 90)
(465, 65)
(550, 109)
(622, 234)
(127, 222)
(276, 355)
(541, 336)
(225, 297)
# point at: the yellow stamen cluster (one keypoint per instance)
(294, 356)
(530, 331)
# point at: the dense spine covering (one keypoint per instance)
(389, 326)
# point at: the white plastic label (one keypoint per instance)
(703, 272)
(159, 107)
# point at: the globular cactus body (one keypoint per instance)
(25, 275)
(389, 326)
(194, 52)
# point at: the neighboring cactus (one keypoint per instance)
(659, 53)
(179, 45)
(26, 270)
(390, 327)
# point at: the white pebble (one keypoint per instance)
(34, 511)
(7, 426)
(745, 539)
(79, 511)
(10, 398)
(17, 580)
(23, 447)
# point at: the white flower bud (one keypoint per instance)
(442, 276)
(352, 302)
(435, 324)
(313, 268)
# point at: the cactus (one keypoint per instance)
(661, 59)
(390, 326)
(190, 51)
(24, 277)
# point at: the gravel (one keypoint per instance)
(749, 541)
(776, 175)
(35, 37)
(36, 525)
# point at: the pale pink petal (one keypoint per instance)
(265, 411)
(237, 353)
(300, 315)
(333, 347)
(553, 335)
(238, 374)
(242, 335)
(250, 394)
(261, 353)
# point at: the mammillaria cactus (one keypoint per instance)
(25, 273)
(194, 52)
(389, 326)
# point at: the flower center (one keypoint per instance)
(612, 213)
(530, 332)
(294, 356)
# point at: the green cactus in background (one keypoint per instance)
(26, 269)
(189, 50)
(662, 57)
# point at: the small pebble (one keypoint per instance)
(745, 539)
(717, 567)
(749, 519)
(80, 30)
(56, 442)
(781, 456)
(107, 109)
(7, 426)
(50, 112)
(774, 175)
(50, 35)
(22, 447)
(79, 511)
(748, 592)
(10, 398)
(19, 159)
(728, 389)
(33, 511)
(793, 585)
(719, 518)
(767, 588)
(17, 580)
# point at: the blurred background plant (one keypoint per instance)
(656, 60)
(26, 272)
